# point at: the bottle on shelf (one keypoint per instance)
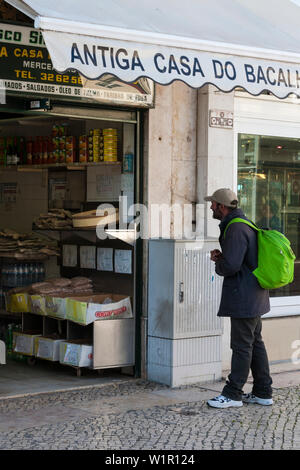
(44, 151)
(9, 155)
(9, 275)
(4, 275)
(26, 275)
(35, 273)
(29, 151)
(15, 154)
(15, 275)
(22, 151)
(128, 162)
(43, 272)
(20, 276)
(39, 272)
(31, 274)
(39, 150)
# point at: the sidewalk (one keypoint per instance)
(138, 415)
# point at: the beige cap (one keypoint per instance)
(224, 196)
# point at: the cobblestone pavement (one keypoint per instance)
(141, 415)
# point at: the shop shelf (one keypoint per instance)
(74, 165)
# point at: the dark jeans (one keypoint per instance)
(248, 352)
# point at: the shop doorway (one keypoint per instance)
(57, 163)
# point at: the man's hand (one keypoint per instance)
(215, 255)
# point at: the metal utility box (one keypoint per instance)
(184, 332)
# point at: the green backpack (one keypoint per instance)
(275, 257)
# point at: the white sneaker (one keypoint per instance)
(250, 398)
(223, 402)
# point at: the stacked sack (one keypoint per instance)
(60, 286)
(63, 286)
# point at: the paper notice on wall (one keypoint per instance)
(58, 189)
(108, 187)
(70, 255)
(104, 183)
(8, 192)
(105, 259)
(123, 261)
(88, 257)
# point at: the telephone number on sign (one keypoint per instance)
(58, 78)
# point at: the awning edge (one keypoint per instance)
(94, 56)
(107, 32)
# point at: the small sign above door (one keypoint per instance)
(219, 118)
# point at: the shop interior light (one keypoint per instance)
(263, 176)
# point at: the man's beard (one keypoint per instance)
(217, 214)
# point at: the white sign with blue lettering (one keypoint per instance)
(94, 56)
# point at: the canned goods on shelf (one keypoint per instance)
(109, 148)
(112, 143)
(109, 158)
(109, 133)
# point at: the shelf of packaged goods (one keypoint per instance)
(23, 258)
(70, 166)
(70, 229)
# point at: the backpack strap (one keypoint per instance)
(237, 219)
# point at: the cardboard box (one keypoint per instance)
(55, 307)
(78, 353)
(37, 304)
(47, 348)
(24, 343)
(62, 350)
(86, 310)
(17, 303)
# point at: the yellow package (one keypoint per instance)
(17, 303)
(55, 307)
(37, 304)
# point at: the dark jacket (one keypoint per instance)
(242, 296)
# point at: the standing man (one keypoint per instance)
(244, 301)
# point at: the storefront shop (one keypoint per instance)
(70, 157)
(227, 87)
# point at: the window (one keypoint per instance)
(269, 190)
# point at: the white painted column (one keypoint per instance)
(215, 155)
(171, 163)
